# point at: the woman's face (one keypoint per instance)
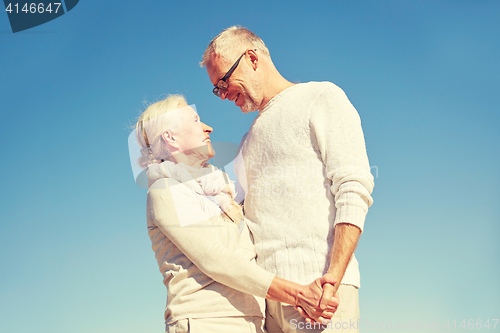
(193, 136)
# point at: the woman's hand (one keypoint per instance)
(309, 301)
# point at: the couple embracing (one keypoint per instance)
(283, 259)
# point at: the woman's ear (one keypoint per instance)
(169, 139)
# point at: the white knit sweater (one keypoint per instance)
(207, 261)
(306, 170)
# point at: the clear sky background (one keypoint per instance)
(74, 251)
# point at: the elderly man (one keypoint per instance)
(308, 183)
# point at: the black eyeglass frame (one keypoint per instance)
(222, 84)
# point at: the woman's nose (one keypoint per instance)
(206, 128)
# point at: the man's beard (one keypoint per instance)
(250, 104)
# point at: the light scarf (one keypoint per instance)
(207, 181)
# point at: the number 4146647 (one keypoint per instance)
(33, 8)
(471, 324)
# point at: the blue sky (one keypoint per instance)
(423, 75)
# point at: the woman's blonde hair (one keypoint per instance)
(155, 120)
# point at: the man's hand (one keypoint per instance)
(316, 305)
(329, 290)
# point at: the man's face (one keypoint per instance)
(243, 84)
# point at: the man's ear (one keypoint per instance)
(169, 139)
(254, 59)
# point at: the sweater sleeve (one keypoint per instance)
(336, 126)
(201, 242)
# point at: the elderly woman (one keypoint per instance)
(198, 233)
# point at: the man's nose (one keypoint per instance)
(223, 94)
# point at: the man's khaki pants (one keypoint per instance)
(283, 318)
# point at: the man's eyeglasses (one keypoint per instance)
(222, 84)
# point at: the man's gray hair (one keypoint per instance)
(232, 42)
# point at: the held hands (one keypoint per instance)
(316, 301)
